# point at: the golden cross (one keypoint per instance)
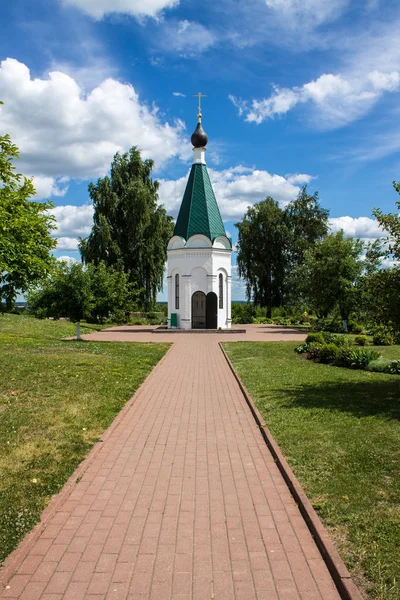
(199, 95)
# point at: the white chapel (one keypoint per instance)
(199, 253)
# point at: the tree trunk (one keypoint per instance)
(344, 325)
(269, 311)
(78, 330)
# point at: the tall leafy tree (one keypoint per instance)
(307, 222)
(381, 286)
(273, 242)
(130, 227)
(390, 222)
(25, 229)
(261, 257)
(330, 274)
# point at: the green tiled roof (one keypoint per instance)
(199, 212)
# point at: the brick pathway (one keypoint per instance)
(182, 501)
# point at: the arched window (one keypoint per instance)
(177, 291)
(221, 291)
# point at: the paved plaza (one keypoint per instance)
(181, 500)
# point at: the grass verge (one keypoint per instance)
(339, 430)
(56, 399)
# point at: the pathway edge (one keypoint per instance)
(16, 557)
(338, 570)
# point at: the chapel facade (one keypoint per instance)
(199, 253)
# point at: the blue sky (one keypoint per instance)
(299, 91)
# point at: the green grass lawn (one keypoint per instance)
(339, 430)
(56, 399)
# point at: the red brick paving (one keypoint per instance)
(183, 500)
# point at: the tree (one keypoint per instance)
(307, 222)
(130, 227)
(330, 275)
(381, 293)
(80, 292)
(273, 242)
(390, 223)
(66, 293)
(381, 286)
(111, 290)
(261, 257)
(25, 229)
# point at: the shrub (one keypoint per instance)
(356, 358)
(342, 340)
(317, 338)
(301, 349)
(383, 337)
(355, 327)
(394, 367)
(313, 350)
(329, 337)
(281, 321)
(328, 353)
(243, 313)
(383, 365)
(361, 340)
(380, 365)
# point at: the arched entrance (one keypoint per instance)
(211, 311)
(199, 310)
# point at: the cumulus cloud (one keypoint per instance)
(336, 100)
(73, 221)
(50, 186)
(137, 8)
(66, 243)
(64, 132)
(359, 227)
(299, 178)
(235, 190)
(179, 94)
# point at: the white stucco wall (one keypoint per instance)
(198, 270)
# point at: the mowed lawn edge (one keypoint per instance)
(339, 431)
(56, 399)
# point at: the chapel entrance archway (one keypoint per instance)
(212, 311)
(199, 307)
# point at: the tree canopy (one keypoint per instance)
(25, 229)
(330, 273)
(261, 255)
(273, 241)
(130, 227)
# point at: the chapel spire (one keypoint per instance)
(199, 212)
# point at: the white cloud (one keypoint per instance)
(235, 190)
(50, 186)
(359, 227)
(299, 178)
(179, 94)
(67, 259)
(335, 99)
(137, 8)
(61, 131)
(66, 243)
(187, 38)
(73, 221)
(309, 14)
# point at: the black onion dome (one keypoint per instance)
(199, 137)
